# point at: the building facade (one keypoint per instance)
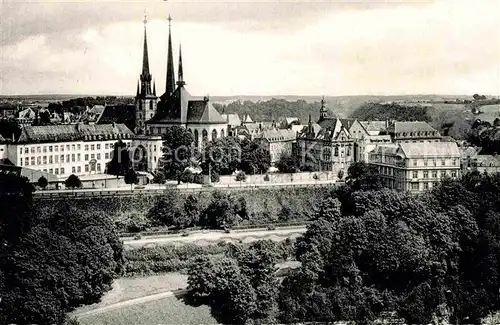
(416, 167)
(278, 142)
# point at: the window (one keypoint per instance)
(78, 157)
(443, 162)
(426, 186)
(336, 151)
(56, 148)
(67, 158)
(443, 174)
(62, 170)
(92, 147)
(67, 147)
(154, 147)
(98, 156)
(51, 160)
(73, 157)
(50, 148)
(56, 171)
(51, 171)
(62, 158)
(78, 147)
(26, 150)
(86, 147)
(415, 175)
(79, 169)
(38, 149)
(98, 147)
(92, 156)
(434, 174)
(86, 157)
(32, 160)
(44, 160)
(73, 147)
(20, 151)
(73, 169)
(26, 161)
(454, 174)
(20, 161)
(44, 149)
(56, 159)
(61, 149)
(106, 155)
(414, 186)
(38, 160)
(414, 162)
(454, 162)
(434, 162)
(86, 168)
(98, 167)
(425, 162)
(426, 174)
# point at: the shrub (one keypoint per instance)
(241, 177)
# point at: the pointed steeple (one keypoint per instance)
(154, 88)
(170, 86)
(180, 81)
(145, 75)
(138, 89)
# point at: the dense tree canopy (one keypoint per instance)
(382, 112)
(177, 152)
(120, 160)
(52, 261)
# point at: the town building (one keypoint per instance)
(412, 131)
(233, 122)
(416, 166)
(327, 147)
(177, 107)
(278, 142)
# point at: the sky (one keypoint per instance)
(231, 47)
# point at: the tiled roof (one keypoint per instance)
(278, 134)
(73, 132)
(388, 149)
(173, 109)
(247, 119)
(203, 112)
(120, 114)
(415, 126)
(431, 149)
(374, 125)
(232, 119)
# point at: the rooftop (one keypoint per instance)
(431, 149)
(73, 132)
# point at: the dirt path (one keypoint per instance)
(211, 237)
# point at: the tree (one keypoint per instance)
(361, 175)
(42, 182)
(73, 182)
(168, 209)
(384, 112)
(192, 211)
(222, 156)
(177, 152)
(131, 178)
(159, 177)
(223, 211)
(241, 177)
(53, 260)
(187, 176)
(120, 161)
(287, 163)
(255, 157)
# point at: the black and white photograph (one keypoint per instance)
(197, 162)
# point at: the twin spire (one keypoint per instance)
(170, 85)
(144, 86)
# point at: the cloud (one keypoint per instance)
(263, 49)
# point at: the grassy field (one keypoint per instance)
(170, 310)
(490, 112)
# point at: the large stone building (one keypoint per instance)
(177, 107)
(327, 145)
(278, 142)
(418, 166)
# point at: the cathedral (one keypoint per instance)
(176, 106)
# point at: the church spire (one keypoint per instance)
(154, 88)
(323, 111)
(138, 89)
(170, 62)
(180, 81)
(145, 75)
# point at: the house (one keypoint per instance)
(416, 166)
(413, 131)
(278, 142)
